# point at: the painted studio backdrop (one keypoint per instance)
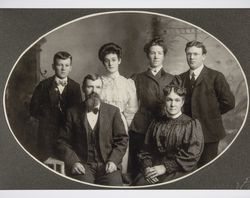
(83, 38)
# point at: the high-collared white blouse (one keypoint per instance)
(120, 92)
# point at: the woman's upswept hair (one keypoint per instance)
(179, 90)
(109, 48)
(156, 41)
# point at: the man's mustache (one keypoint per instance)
(93, 95)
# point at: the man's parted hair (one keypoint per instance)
(198, 44)
(62, 55)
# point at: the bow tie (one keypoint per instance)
(95, 110)
(153, 70)
(61, 82)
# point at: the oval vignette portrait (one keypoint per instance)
(161, 100)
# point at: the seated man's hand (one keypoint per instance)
(78, 168)
(110, 167)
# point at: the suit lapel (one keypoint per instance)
(185, 78)
(201, 76)
(150, 75)
(102, 116)
(157, 77)
(67, 88)
(83, 119)
(161, 77)
(53, 94)
(103, 124)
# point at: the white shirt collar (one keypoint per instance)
(196, 72)
(92, 118)
(155, 70)
(60, 87)
(58, 79)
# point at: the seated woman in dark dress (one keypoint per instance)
(173, 144)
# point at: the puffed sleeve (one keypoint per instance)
(132, 105)
(189, 152)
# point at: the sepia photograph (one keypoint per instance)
(129, 99)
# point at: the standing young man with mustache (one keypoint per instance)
(93, 141)
(208, 97)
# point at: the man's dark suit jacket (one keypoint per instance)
(149, 90)
(72, 143)
(210, 98)
(44, 107)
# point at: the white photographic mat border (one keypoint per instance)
(118, 12)
(125, 4)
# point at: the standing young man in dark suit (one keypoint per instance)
(49, 102)
(208, 97)
(93, 141)
(149, 87)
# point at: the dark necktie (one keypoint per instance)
(192, 80)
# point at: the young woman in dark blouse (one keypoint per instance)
(173, 143)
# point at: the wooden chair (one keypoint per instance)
(55, 164)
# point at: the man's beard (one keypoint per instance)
(92, 101)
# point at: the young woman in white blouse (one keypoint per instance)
(118, 90)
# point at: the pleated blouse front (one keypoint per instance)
(175, 143)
